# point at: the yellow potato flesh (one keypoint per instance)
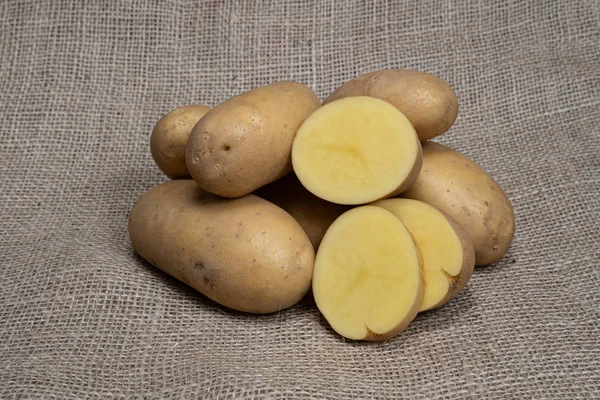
(440, 246)
(367, 277)
(355, 150)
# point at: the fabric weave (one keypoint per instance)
(83, 83)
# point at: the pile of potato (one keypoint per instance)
(274, 193)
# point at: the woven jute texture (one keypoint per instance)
(83, 82)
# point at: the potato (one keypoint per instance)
(246, 254)
(356, 150)
(367, 279)
(246, 142)
(456, 185)
(169, 139)
(428, 102)
(313, 214)
(447, 250)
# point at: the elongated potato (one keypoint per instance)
(246, 142)
(456, 185)
(447, 250)
(367, 278)
(313, 214)
(246, 254)
(169, 139)
(356, 150)
(428, 102)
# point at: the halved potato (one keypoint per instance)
(447, 250)
(367, 278)
(356, 150)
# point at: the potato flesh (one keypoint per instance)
(355, 150)
(440, 246)
(367, 277)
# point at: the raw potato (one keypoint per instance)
(246, 142)
(367, 278)
(428, 102)
(169, 139)
(246, 254)
(356, 150)
(456, 185)
(447, 250)
(313, 214)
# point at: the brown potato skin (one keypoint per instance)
(457, 283)
(246, 254)
(428, 102)
(246, 142)
(458, 186)
(314, 214)
(169, 138)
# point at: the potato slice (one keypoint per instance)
(367, 276)
(356, 150)
(447, 250)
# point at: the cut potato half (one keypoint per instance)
(367, 277)
(447, 250)
(356, 150)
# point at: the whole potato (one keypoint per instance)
(428, 102)
(246, 142)
(246, 254)
(313, 214)
(456, 185)
(169, 139)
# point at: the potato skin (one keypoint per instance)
(313, 214)
(428, 102)
(456, 185)
(246, 142)
(169, 138)
(246, 254)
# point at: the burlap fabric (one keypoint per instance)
(81, 86)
